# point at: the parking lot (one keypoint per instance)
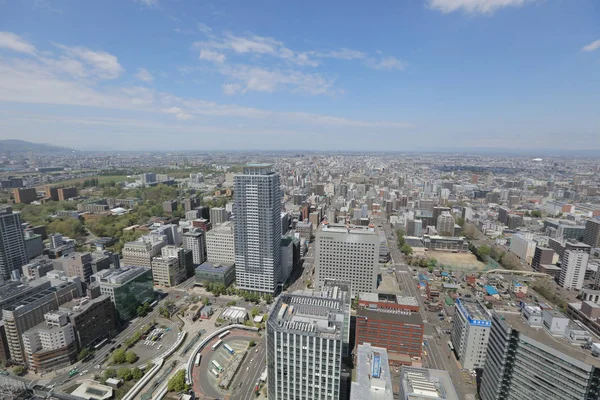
(163, 336)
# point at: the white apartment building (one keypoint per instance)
(304, 348)
(257, 211)
(572, 271)
(523, 246)
(347, 253)
(53, 334)
(141, 252)
(194, 240)
(470, 333)
(220, 243)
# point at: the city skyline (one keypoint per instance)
(440, 73)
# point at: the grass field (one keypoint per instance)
(101, 179)
(457, 261)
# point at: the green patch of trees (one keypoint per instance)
(177, 382)
(143, 310)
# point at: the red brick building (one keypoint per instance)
(400, 332)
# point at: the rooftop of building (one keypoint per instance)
(119, 276)
(308, 316)
(210, 266)
(342, 228)
(516, 322)
(426, 384)
(406, 317)
(473, 309)
(388, 298)
(82, 304)
(35, 296)
(13, 288)
(373, 377)
(331, 289)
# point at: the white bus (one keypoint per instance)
(214, 372)
(198, 358)
(217, 366)
(229, 349)
(222, 335)
(216, 345)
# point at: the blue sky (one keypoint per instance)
(322, 75)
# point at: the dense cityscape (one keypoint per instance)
(299, 200)
(299, 276)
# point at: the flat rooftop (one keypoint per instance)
(406, 317)
(209, 266)
(426, 384)
(515, 321)
(388, 298)
(309, 316)
(373, 377)
(353, 229)
(473, 310)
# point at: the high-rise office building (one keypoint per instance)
(445, 224)
(304, 348)
(13, 254)
(542, 256)
(220, 244)
(195, 241)
(141, 252)
(25, 196)
(572, 269)
(169, 269)
(347, 253)
(470, 333)
(218, 215)
(257, 210)
(525, 361)
(592, 233)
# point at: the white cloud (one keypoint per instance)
(213, 56)
(144, 75)
(11, 41)
(103, 65)
(254, 44)
(592, 46)
(178, 112)
(58, 81)
(385, 63)
(259, 79)
(344, 54)
(231, 88)
(474, 6)
(148, 3)
(204, 28)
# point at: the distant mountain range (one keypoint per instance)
(21, 146)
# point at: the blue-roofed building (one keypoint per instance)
(423, 277)
(491, 291)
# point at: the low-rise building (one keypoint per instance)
(445, 243)
(385, 301)
(235, 315)
(373, 376)
(425, 384)
(214, 272)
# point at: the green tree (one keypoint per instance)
(255, 311)
(109, 373)
(252, 343)
(432, 262)
(124, 373)
(406, 249)
(131, 357)
(484, 251)
(84, 353)
(19, 370)
(269, 298)
(137, 373)
(231, 303)
(177, 382)
(119, 356)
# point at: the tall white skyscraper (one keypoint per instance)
(572, 269)
(13, 254)
(304, 347)
(257, 209)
